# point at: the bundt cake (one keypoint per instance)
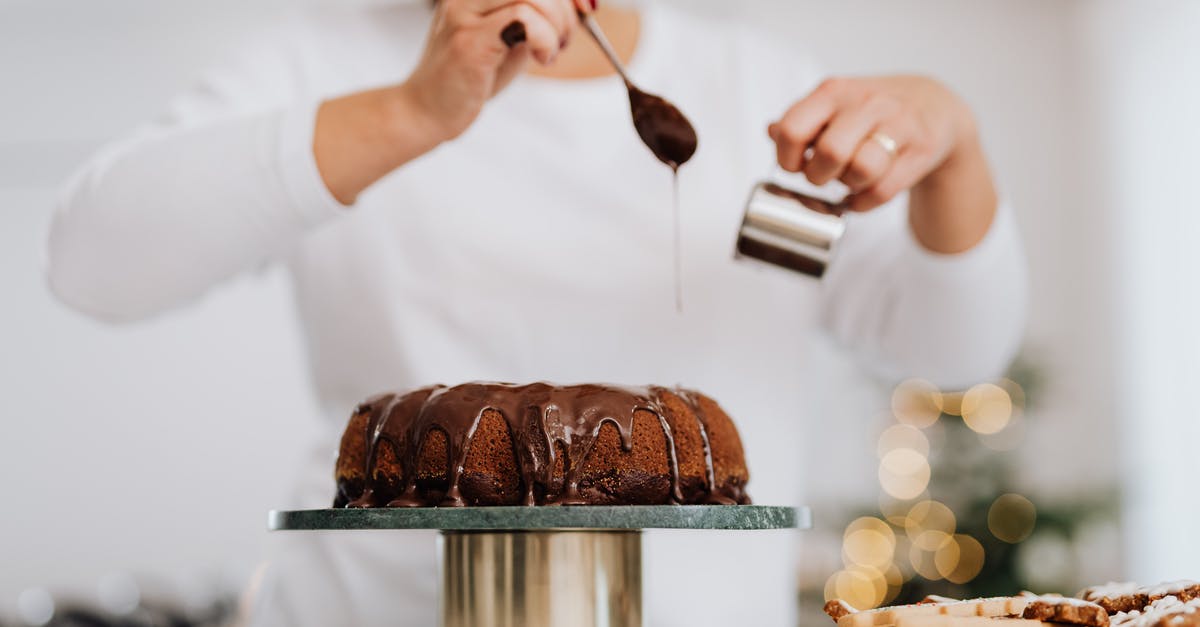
(481, 444)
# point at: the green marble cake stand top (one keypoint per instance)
(597, 517)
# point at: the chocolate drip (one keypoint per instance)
(544, 422)
(712, 497)
(670, 136)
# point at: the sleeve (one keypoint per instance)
(955, 320)
(225, 182)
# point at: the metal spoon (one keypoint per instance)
(661, 125)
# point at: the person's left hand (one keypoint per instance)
(880, 136)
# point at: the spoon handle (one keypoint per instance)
(593, 29)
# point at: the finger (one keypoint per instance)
(868, 165)
(804, 121)
(585, 6)
(904, 173)
(559, 13)
(836, 146)
(541, 40)
(797, 129)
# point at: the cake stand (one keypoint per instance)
(543, 566)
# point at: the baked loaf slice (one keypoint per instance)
(481, 444)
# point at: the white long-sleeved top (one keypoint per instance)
(537, 246)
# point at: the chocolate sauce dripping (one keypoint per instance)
(670, 136)
(710, 474)
(374, 430)
(381, 409)
(677, 243)
(540, 418)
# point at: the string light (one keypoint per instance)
(952, 403)
(960, 560)
(860, 586)
(868, 542)
(1011, 518)
(930, 517)
(987, 408)
(916, 402)
(1015, 392)
(894, 510)
(878, 561)
(1009, 438)
(902, 436)
(904, 473)
(895, 579)
(923, 562)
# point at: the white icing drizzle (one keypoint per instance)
(1171, 587)
(1166, 611)
(1110, 590)
(1061, 600)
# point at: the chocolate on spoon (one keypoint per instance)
(661, 125)
(663, 128)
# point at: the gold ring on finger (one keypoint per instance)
(886, 142)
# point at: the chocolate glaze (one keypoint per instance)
(663, 128)
(542, 420)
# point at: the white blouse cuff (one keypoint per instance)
(995, 247)
(302, 182)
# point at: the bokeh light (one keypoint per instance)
(878, 562)
(923, 561)
(1045, 559)
(895, 510)
(868, 542)
(960, 559)
(862, 587)
(930, 524)
(903, 550)
(1015, 392)
(35, 606)
(904, 473)
(1011, 518)
(952, 403)
(895, 581)
(987, 408)
(916, 402)
(119, 593)
(902, 436)
(1008, 439)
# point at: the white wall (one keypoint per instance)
(143, 448)
(1145, 79)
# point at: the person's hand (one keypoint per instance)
(879, 136)
(476, 47)
(882, 136)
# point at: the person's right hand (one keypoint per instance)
(361, 137)
(466, 61)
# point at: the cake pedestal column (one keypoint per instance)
(576, 578)
(564, 566)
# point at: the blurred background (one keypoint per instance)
(122, 486)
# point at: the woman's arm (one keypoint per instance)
(220, 184)
(954, 319)
(244, 167)
(932, 287)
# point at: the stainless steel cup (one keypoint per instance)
(790, 229)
